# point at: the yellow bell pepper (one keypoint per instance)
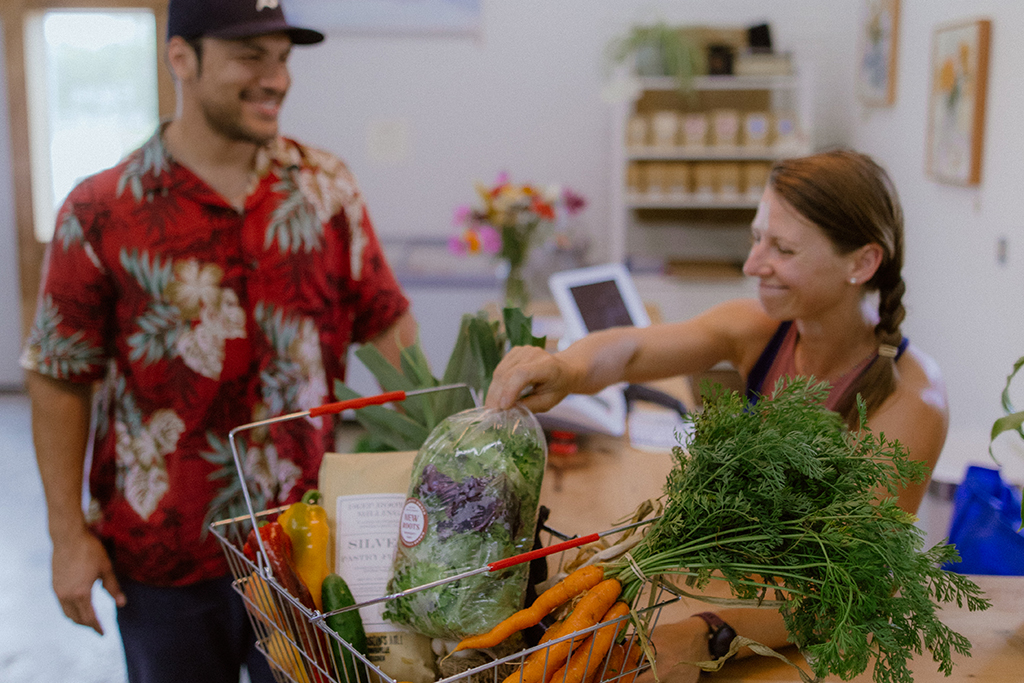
(261, 602)
(285, 657)
(305, 523)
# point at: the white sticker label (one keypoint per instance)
(365, 543)
(414, 523)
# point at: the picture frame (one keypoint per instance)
(956, 101)
(879, 46)
(389, 17)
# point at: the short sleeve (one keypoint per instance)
(68, 336)
(379, 299)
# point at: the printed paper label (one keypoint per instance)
(366, 538)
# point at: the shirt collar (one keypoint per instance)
(149, 167)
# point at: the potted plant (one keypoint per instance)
(657, 50)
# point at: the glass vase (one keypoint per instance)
(517, 290)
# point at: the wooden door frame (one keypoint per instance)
(13, 14)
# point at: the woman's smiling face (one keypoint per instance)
(801, 274)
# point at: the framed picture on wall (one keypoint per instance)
(388, 17)
(956, 103)
(876, 69)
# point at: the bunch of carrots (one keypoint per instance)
(572, 660)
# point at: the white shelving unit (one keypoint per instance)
(651, 225)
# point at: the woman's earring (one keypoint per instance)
(853, 280)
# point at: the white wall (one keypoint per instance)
(11, 375)
(964, 307)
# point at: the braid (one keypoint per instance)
(890, 312)
(879, 379)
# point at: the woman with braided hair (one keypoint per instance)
(827, 251)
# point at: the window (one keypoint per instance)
(91, 81)
(77, 93)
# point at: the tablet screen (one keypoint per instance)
(601, 305)
(596, 298)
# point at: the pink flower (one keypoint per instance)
(502, 179)
(490, 240)
(456, 245)
(463, 213)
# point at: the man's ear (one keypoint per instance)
(865, 262)
(182, 59)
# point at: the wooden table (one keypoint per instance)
(996, 635)
(607, 480)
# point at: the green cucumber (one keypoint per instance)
(349, 627)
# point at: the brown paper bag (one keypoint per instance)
(363, 495)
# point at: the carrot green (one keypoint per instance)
(780, 499)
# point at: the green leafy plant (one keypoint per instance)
(479, 347)
(657, 50)
(1014, 419)
(779, 499)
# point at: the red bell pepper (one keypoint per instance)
(279, 553)
(278, 546)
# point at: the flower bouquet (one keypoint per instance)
(509, 221)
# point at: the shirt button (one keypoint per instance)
(254, 265)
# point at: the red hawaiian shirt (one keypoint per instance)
(199, 318)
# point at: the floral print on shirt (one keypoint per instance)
(199, 318)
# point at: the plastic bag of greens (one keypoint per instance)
(473, 499)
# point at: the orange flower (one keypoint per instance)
(472, 240)
(542, 209)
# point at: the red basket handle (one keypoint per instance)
(355, 403)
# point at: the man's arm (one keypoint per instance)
(61, 413)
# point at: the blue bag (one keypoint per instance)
(985, 527)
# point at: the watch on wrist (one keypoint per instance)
(720, 634)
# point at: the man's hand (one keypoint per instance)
(77, 564)
(60, 429)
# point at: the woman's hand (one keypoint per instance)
(545, 379)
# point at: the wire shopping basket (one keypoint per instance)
(301, 648)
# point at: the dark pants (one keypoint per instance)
(193, 634)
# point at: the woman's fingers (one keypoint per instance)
(523, 374)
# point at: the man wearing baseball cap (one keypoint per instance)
(214, 278)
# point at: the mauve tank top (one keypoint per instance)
(779, 360)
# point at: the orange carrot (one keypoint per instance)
(589, 657)
(615, 661)
(542, 664)
(581, 580)
(555, 631)
(624, 659)
(632, 663)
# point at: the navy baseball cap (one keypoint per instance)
(232, 19)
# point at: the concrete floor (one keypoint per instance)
(38, 644)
